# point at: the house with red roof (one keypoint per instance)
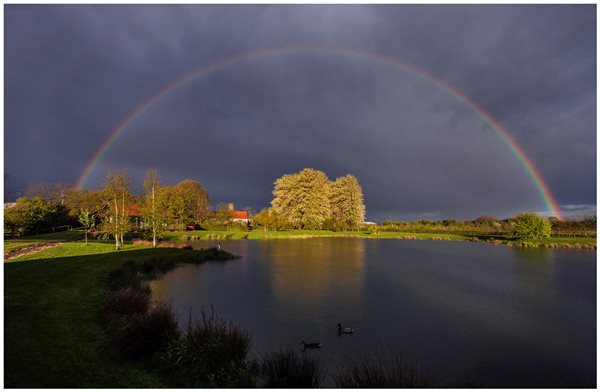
(239, 216)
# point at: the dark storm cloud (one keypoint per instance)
(74, 72)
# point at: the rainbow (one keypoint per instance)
(507, 139)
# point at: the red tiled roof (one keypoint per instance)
(240, 215)
(134, 210)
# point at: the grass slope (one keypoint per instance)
(52, 332)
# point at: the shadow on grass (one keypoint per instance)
(53, 332)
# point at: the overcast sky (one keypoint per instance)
(73, 73)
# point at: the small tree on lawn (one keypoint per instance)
(154, 210)
(530, 226)
(88, 220)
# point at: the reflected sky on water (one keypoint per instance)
(467, 313)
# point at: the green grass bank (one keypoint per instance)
(560, 242)
(53, 332)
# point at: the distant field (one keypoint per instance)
(14, 244)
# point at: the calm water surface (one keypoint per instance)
(467, 313)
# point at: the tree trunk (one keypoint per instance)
(86, 235)
(153, 220)
(116, 230)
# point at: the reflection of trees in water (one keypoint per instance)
(308, 275)
(534, 267)
(533, 254)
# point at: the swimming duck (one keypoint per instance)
(346, 330)
(310, 345)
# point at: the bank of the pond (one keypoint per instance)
(553, 242)
(53, 334)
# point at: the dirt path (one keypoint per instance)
(30, 249)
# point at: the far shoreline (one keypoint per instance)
(588, 243)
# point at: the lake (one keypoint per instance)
(467, 313)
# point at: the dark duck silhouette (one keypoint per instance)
(346, 330)
(310, 346)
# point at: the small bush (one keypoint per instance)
(126, 302)
(284, 368)
(147, 334)
(530, 226)
(378, 373)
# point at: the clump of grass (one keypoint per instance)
(474, 239)
(221, 341)
(212, 254)
(126, 302)
(284, 368)
(378, 373)
(145, 334)
(125, 276)
(187, 247)
(150, 268)
(213, 353)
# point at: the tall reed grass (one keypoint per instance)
(285, 368)
(381, 373)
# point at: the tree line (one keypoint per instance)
(523, 226)
(109, 210)
(309, 200)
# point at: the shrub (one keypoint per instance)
(126, 302)
(530, 226)
(212, 354)
(125, 276)
(149, 333)
(284, 368)
(378, 373)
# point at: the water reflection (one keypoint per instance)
(533, 254)
(495, 316)
(308, 275)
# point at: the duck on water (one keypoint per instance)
(310, 346)
(345, 330)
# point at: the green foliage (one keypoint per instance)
(87, 220)
(154, 208)
(269, 219)
(117, 197)
(308, 200)
(303, 199)
(223, 214)
(574, 227)
(212, 354)
(195, 200)
(530, 226)
(35, 215)
(347, 203)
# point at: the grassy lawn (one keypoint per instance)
(53, 334)
(25, 242)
